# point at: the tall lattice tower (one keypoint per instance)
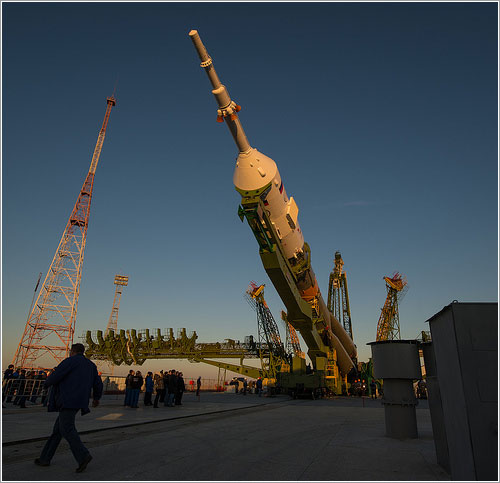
(292, 344)
(388, 323)
(120, 282)
(267, 330)
(51, 323)
(338, 296)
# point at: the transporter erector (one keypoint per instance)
(273, 218)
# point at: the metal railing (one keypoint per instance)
(18, 391)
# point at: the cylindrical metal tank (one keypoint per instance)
(397, 362)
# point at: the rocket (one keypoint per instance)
(257, 174)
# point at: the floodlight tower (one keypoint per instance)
(51, 322)
(120, 282)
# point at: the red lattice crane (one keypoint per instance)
(388, 323)
(51, 322)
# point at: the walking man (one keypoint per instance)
(71, 382)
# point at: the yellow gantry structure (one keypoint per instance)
(338, 296)
(388, 323)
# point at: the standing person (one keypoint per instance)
(245, 384)
(7, 376)
(181, 387)
(373, 389)
(159, 387)
(135, 389)
(21, 387)
(13, 385)
(164, 391)
(149, 389)
(37, 386)
(198, 387)
(127, 387)
(258, 385)
(236, 386)
(8, 372)
(172, 388)
(166, 380)
(46, 390)
(71, 382)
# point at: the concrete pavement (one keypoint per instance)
(226, 437)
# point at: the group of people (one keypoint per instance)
(167, 386)
(23, 386)
(257, 385)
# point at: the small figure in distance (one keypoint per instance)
(373, 389)
(258, 385)
(149, 389)
(71, 382)
(198, 387)
(128, 394)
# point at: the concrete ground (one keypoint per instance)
(225, 437)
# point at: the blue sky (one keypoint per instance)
(382, 119)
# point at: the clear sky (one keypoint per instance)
(382, 119)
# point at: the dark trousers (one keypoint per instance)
(178, 397)
(160, 393)
(147, 398)
(134, 398)
(163, 394)
(64, 427)
(127, 397)
(169, 399)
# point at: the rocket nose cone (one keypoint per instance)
(193, 32)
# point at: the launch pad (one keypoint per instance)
(341, 439)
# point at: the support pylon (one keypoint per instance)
(120, 282)
(338, 296)
(51, 323)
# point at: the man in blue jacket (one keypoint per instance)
(71, 381)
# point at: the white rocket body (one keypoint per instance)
(255, 171)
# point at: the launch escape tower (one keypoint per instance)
(338, 297)
(120, 282)
(388, 323)
(51, 322)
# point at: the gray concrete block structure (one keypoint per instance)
(397, 363)
(464, 339)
